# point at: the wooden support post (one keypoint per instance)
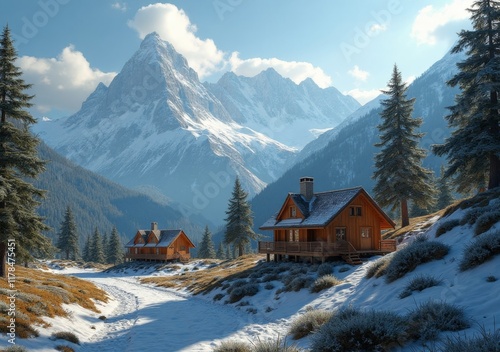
(268, 257)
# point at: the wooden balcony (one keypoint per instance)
(322, 249)
(157, 257)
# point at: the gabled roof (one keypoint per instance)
(321, 209)
(164, 238)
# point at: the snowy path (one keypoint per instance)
(155, 319)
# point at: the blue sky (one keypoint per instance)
(66, 47)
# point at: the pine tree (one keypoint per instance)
(87, 250)
(19, 164)
(400, 176)
(473, 149)
(105, 247)
(96, 250)
(445, 194)
(68, 237)
(207, 248)
(239, 220)
(229, 253)
(115, 248)
(220, 252)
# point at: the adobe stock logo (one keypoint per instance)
(223, 6)
(32, 24)
(378, 23)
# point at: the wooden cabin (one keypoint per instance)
(345, 223)
(159, 245)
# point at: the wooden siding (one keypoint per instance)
(285, 210)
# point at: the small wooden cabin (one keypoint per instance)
(159, 245)
(345, 223)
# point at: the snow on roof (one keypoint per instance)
(164, 238)
(319, 211)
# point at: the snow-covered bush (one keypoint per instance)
(419, 283)
(233, 346)
(379, 267)
(360, 331)
(430, 318)
(278, 345)
(325, 269)
(408, 258)
(308, 323)
(485, 342)
(298, 283)
(66, 335)
(236, 284)
(249, 289)
(471, 216)
(447, 226)
(324, 282)
(486, 221)
(481, 249)
(270, 277)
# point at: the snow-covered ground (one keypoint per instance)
(148, 318)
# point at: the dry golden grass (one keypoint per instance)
(414, 224)
(204, 281)
(40, 294)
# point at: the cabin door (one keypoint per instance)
(366, 239)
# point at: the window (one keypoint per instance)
(293, 212)
(355, 211)
(340, 233)
(293, 235)
(366, 232)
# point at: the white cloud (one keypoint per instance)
(430, 20)
(377, 28)
(120, 6)
(364, 96)
(295, 70)
(358, 73)
(173, 25)
(61, 83)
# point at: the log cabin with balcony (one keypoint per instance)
(345, 223)
(159, 245)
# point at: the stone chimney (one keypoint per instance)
(307, 187)
(154, 226)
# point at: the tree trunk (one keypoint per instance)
(494, 180)
(240, 250)
(405, 220)
(3, 257)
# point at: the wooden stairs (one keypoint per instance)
(352, 258)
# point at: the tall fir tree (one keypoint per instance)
(400, 176)
(220, 252)
(19, 164)
(68, 241)
(239, 220)
(115, 248)
(96, 250)
(445, 193)
(473, 149)
(87, 249)
(207, 248)
(105, 246)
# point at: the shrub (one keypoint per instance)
(64, 348)
(233, 346)
(324, 282)
(270, 277)
(379, 267)
(408, 258)
(298, 283)
(55, 290)
(269, 286)
(308, 323)
(491, 278)
(485, 342)
(419, 283)
(353, 330)
(486, 221)
(344, 269)
(66, 335)
(471, 216)
(102, 317)
(430, 318)
(278, 345)
(325, 269)
(218, 296)
(480, 250)
(249, 289)
(15, 348)
(447, 226)
(236, 284)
